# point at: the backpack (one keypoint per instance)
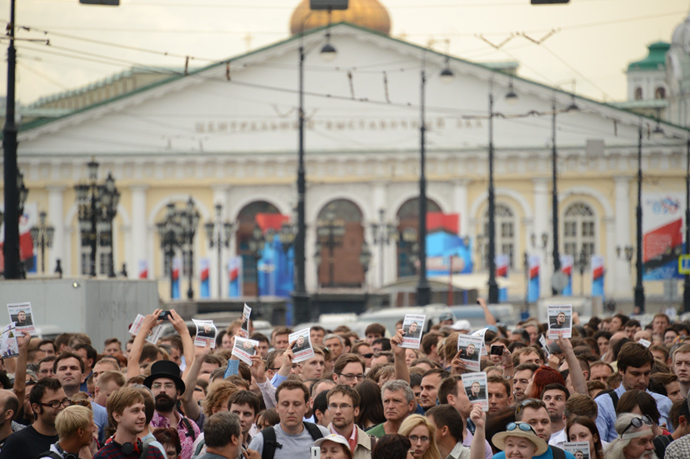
(558, 453)
(270, 443)
(613, 394)
(188, 426)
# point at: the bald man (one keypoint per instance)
(9, 405)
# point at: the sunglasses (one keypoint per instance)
(367, 356)
(638, 422)
(520, 425)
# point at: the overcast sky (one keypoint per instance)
(594, 42)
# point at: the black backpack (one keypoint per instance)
(270, 442)
(613, 394)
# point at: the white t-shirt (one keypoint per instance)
(557, 439)
(293, 446)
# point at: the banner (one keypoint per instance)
(235, 277)
(444, 248)
(598, 275)
(502, 267)
(26, 244)
(204, 286)
(567, 269)
(143, 269)
(662, 226)
(533, 286)
(177, 264)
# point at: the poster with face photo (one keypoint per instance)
(470, 349)
(21, 315)
(560, 319)
(542, 343)
(475, 387)
(302, 350)
(154, 333)
(205, 333)
(579, 449)
(413, 324)
(8, 342)
(244, 349)
(243, 332)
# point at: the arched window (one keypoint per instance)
(638, 93)
(579, 230)
(660, 93)
(505, 234)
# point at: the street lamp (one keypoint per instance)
(639, 287)
(42, 236)
(177, 230)
(686, 282)
(382, 234)
(97, 205)
(170, 237)
(331, 233)
(365, 260)
(525, 265)
(189, 220)
(256, 247)
(626, 253)
(219, 234)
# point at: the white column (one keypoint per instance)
(623, 224)
(541, 224)
(220, 196)
(611, 264)
(378, 202)
(140, 238)
(56, 218)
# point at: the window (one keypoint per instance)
(660, 93)
(638, 93)
(579, 230)
(505, 234)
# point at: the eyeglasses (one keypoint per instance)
(351, 377)
(415, 438)
(55, 404)
(165, 386)
(343, 406)
(637, 423)
(522, 426)
(367, 356)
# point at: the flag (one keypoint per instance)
(143, 269)
(502, 267)
(235, 277)
(533, 286)
(204, 287)
(567, 269)
(598, 276)
(177, 264)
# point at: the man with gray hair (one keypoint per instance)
(335, 344)
(635, 438)
(398, 403)
(223, 436)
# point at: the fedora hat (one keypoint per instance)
(165, 369)
(522, 430)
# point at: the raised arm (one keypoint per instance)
(478, 449)
(191, 408)
(268, 391)
(187, 341)
(576, 375)
(23, 340)
(148, 323)
(490, 320)
(401, 371)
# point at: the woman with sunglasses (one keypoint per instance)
(422, 434)
(519, 440)
(583, 429)
(635, 438)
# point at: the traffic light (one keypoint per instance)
(101, 2)
(548, 2)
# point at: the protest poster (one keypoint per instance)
(244, 349)
(302, 349)
(476, 389)
(560, 317)
(579, 449)
(21, 315)
(644, 342)
(243, 332)
(542, 342)
(205, 333)
(153, 334)
(413, 324)
(470, 349)
(8, 341)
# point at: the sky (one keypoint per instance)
(591, 42)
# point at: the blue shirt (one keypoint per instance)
(100, 417)
(607, 413)
(547, 455)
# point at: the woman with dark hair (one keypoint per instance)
(542, 377)
(392, 446)
(641, 403)
(267, 418)
(584, 429)
(370, 404)
(170, 439)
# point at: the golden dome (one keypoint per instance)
(370, 14)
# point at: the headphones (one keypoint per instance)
(127, 448)
(66, 455)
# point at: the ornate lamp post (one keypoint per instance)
(330, 233)
(170, 234)
(177, 230)
(382, 234)
(189, 220)
(256, 247)
(218, 234)
(42, 237)
(639, 286)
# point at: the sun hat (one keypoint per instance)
(462, 324)
(522, 430)
(335, 438)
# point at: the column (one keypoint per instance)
(623, 224)
(611, 263)
(220, 196)
(460, 205)
(541, 225)
(378, 201)
(139, 245)
(56, 218)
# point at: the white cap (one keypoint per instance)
(462, 325)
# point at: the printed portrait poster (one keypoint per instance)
(560, 319)
(470, 349)
(21, 315)
(475, 387)
(413, 324)
(542, 342)
(244, 349)
(481, 332)
(8, 342)
(205, 333)
(154, 333)
(579, 449)
(243, 332)
(302, 349)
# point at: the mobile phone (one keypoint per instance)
(315, 452)
(496, 349)
(164, 315)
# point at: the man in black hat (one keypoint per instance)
(167, 386)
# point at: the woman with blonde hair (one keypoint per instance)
(422, 434)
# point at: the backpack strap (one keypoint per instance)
(144, 450)
(558, 453)
(270, 443)
(612, 393)
(313, 430)
(190, 430)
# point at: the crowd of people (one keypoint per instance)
(617, 385)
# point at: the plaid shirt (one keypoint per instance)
(186, 440)
(678, 449)
(113, 451)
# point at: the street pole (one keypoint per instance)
(554, 195)
(639, 287)
(94, 232)
(11, 170)
(686, 283)
(493, 285)
(423, 288)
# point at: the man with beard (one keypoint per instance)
(555, 396)
(167, 386)
(634, 440)
(343, 407)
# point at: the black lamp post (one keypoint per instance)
(525, 265)
(256, 247)
(554, 196)
(189, 220)
(365, 260)
(170, 237)
(330, 232)
(382, 234)
(42, 237)
(686, 282)
(97, 208)
(219, 234)
(639, 287)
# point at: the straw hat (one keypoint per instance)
(499, 440)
